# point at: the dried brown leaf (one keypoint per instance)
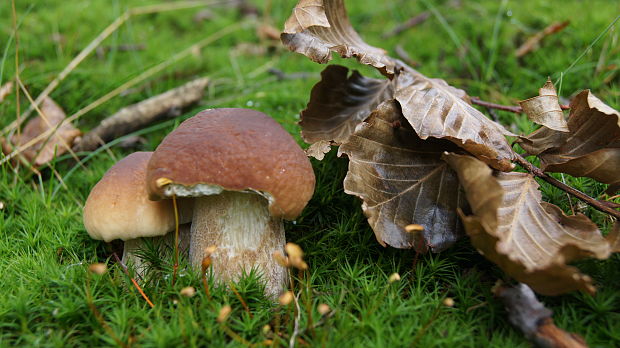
(317, 28)
(436, 109)
(402, 181)
(319, 149)
(614, 238)
(60, 142)
(545, 109)
(339, 102)
(530, 240)
(542, 140)
(5, 90)
(590, 149)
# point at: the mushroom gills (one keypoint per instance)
(246, 236)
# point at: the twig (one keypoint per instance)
(534, 42)
(533, 319)
(410, 23)
(135, 283)
(157, 8)
(281, 75)
(596, 204)
(17, 103)
(509, 108)
(136, 116)
(186, 52)
(405, 57)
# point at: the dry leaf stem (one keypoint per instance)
(596, 204)
(509, 108)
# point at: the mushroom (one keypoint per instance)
(118, 208)
(246, 174)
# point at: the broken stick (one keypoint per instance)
(136, 116)
(534, 319)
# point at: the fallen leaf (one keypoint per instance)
(545, 109)
(339, 102)
(530, 240)
(533, 319)
(402, 181)
(43, 152)
(542, 140)
(614, 238)
(5, 90)
(317, 28)
(590, 149)
(533, 42)
(435, 109)
(319, 149)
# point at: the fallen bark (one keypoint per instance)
(137, 116)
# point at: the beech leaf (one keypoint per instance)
(59, 142)
(590, 149)
(545, 109)
(434, 108)
(402, 180)
(528, 239)
(307, 13)
(311, 36)
(319, 149)
(339, 102)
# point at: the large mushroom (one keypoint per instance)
(246, 174)
(118, 207)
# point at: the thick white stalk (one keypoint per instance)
(246, 236)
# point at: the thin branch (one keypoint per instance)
(136, 116)
(147, 73)
(92, 46)
(596, 204)
(509, 108)
(410, 23)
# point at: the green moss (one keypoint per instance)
(44, 249)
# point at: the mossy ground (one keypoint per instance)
(45, 251)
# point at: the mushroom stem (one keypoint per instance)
(246, 236)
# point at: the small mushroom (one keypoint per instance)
(118, 208)
(246, 174)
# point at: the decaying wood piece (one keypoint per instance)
(534, 319)
(138, 115)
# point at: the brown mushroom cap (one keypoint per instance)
(235, 150)
(118, 206)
